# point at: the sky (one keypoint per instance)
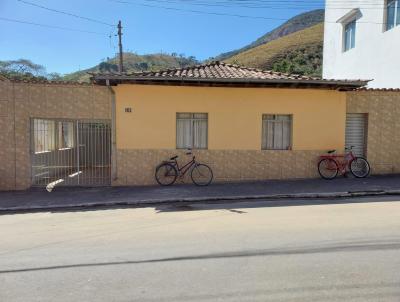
(148, 27)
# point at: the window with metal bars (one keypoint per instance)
(44, 135)
(65, 135)
(277, 132)
(191, 130)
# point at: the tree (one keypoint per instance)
(54, 76)
(105, 66)
(23, 66)
(22, 69)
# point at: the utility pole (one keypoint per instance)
(121, 61)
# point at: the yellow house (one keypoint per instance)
(245, 123)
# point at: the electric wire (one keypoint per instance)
(223, 14)
(65, 13)
(51, 26)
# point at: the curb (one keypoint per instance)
(149, 202)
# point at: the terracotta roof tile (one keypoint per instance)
(379, 89)
(220, 71)
(217, 70)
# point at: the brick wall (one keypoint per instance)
(383, 141)
(19, 102)
(137, 167)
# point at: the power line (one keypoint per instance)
(224, 14)
(65, 13)
(197, 11)
(51, 26)
(267, 5)
(288, 2)
(271, 4)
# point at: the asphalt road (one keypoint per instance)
(232, 252)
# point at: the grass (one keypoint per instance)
(300, 52)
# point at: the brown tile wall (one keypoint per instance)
(21, 101)
(383, 142)
(137, 167)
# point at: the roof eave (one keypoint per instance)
(119, 79)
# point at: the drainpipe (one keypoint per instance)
(113, 134)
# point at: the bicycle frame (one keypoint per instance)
(342, 160)
(185, 168)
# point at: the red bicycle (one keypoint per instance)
(331, 164)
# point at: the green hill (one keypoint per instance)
(299, 52)
(134, 62)
(293, 25)
(295, 47)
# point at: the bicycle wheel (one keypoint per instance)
(359, 167)
(328, 168)
(201, 175)
(166, 174)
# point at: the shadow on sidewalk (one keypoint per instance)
(238, 206)
(271, 193)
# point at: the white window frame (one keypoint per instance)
(396, 18)
(192, 120)
(44, 137)
(275, 122)
(66, 141)
(352, 16)
(352, 34)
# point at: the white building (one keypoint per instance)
(362, 41)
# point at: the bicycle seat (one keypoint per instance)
(331, 151)
(173, 158)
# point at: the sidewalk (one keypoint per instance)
(62, 197)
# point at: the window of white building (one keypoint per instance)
(349, 35)
(392, 14)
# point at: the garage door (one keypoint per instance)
(356, 133)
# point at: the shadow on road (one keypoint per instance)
(393, 244)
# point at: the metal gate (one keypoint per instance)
(356, 132)
(70, 152)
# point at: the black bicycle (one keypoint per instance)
(168, 171)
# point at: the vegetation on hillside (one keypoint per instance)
(24, 69)
(293, 25)
(299, 52)
(136, 63)
(293, 47)
(304, 60)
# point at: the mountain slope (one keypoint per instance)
(295, 46)
(134, 62)
(293, 25)
(299, 52)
